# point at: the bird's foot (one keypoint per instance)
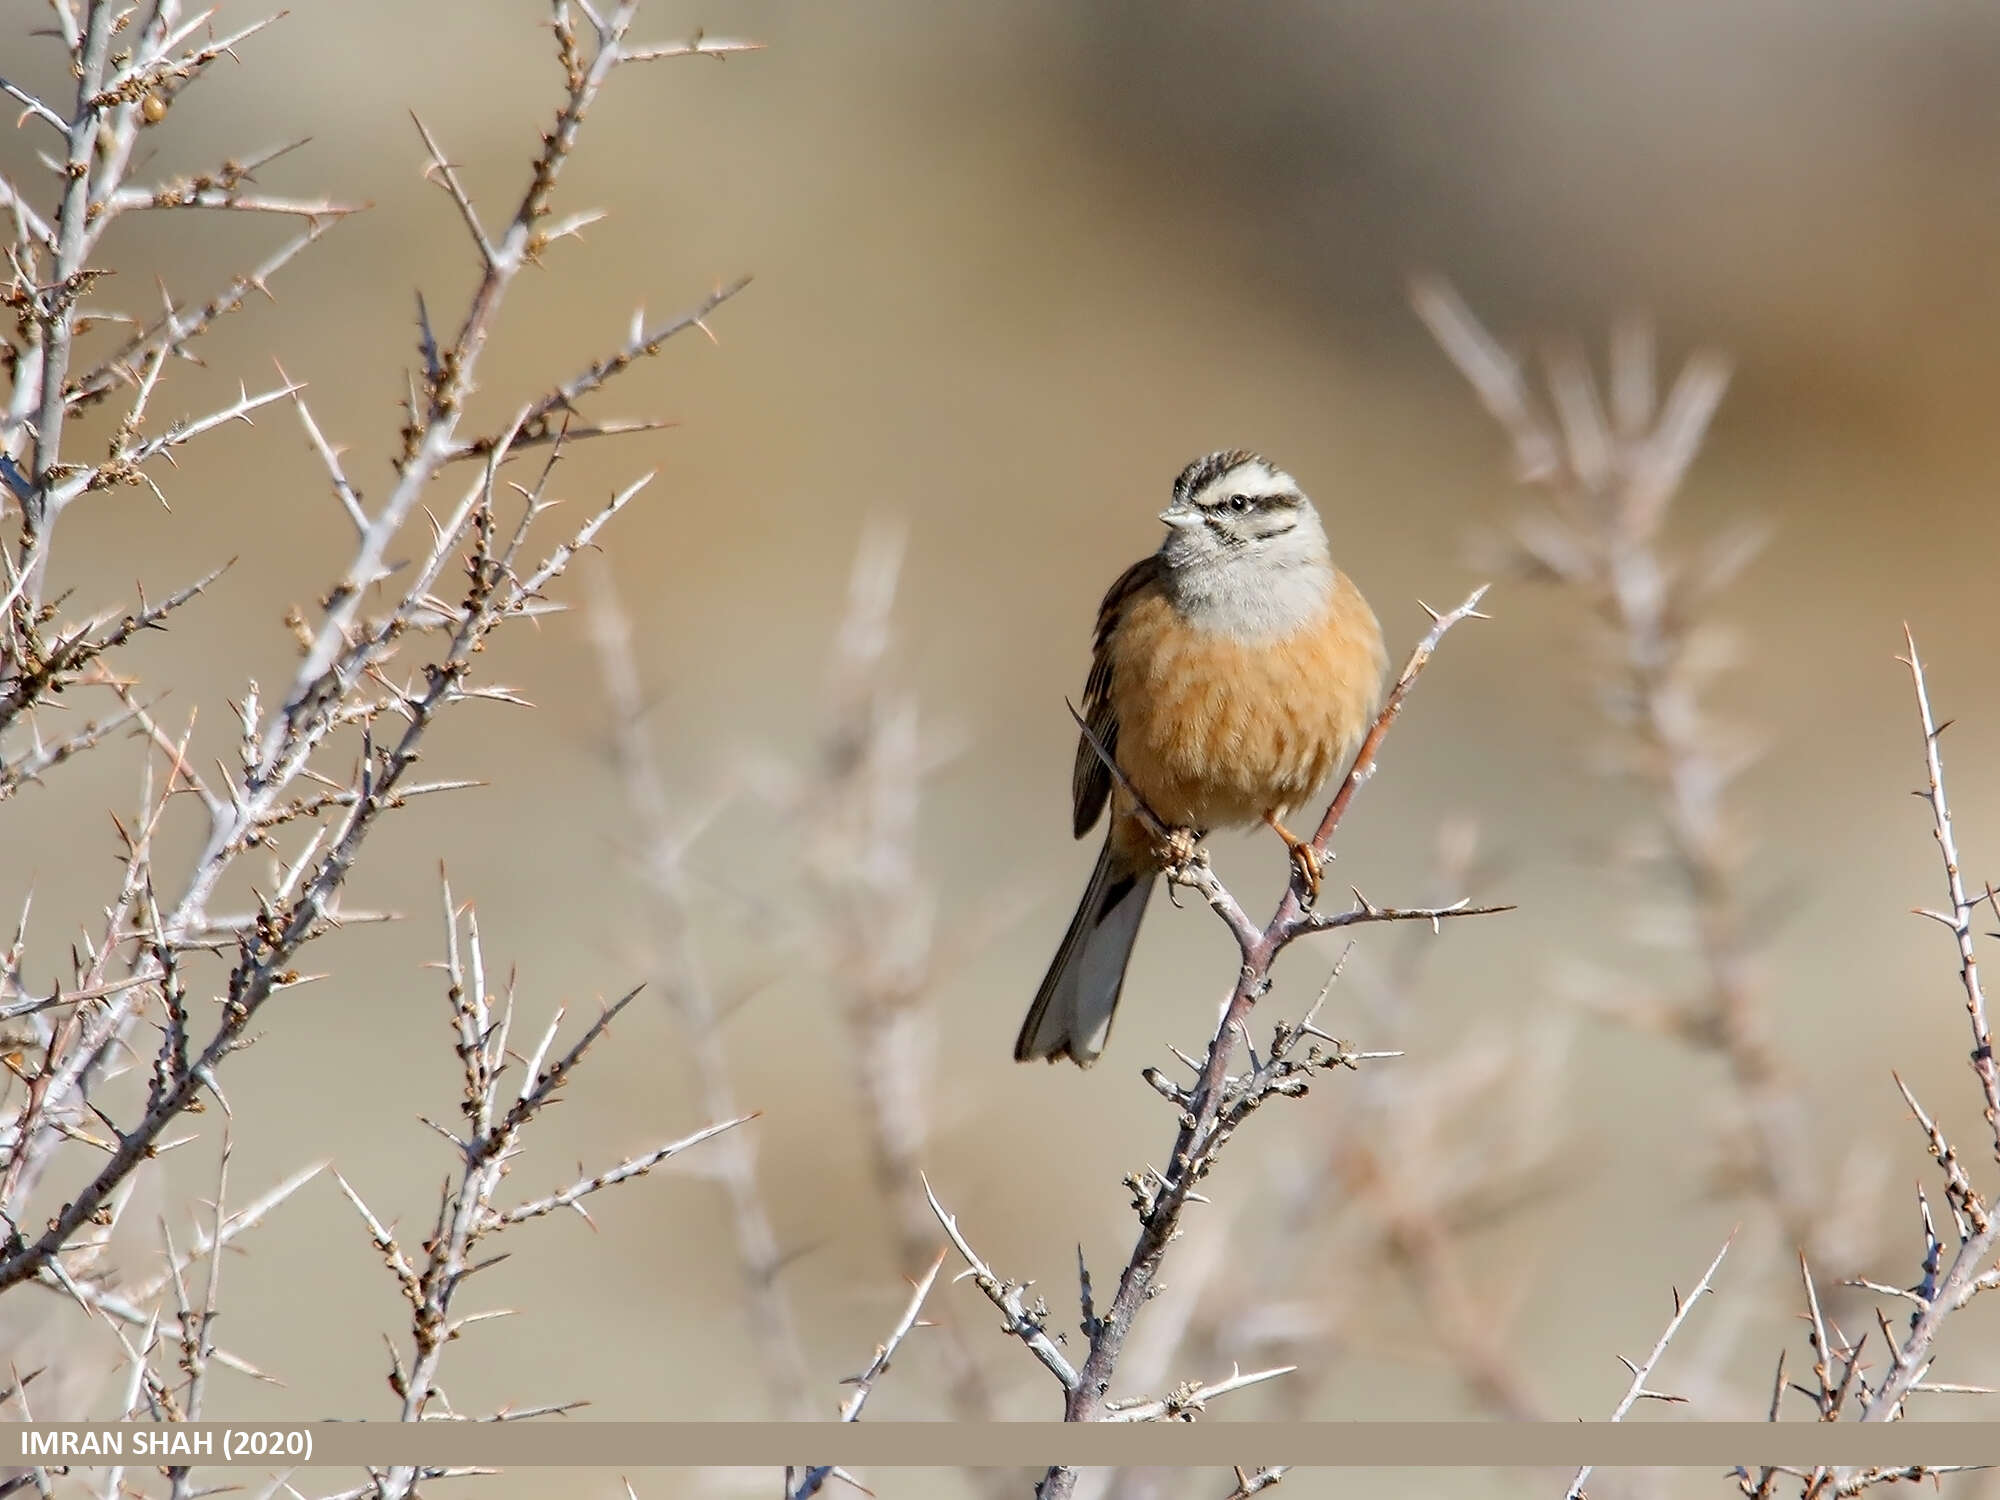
(1179, 850)
(1305, 859)
(1309, 869)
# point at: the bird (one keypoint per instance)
(1234, 671)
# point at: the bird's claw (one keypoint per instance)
(1180, 848)
(1305, 859)
(1307, 863)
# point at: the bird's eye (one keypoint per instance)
(1239, 503)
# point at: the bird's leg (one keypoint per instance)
(1302, 855)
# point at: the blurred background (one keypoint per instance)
(1014, 267)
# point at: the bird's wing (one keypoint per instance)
(1090, 784)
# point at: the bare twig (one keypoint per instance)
(1637, 1391)
(1256, 1481)
(875, 927)
(1959, 918)
(496, 1113)
(1964, 1276)
(683, 977)
(864, 1384)
(1608, 470)
(1026, 1322)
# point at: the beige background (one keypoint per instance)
(1014, 267)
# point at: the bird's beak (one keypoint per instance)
(1180, 517)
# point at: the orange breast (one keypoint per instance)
(1215, 732)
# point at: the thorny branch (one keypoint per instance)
(122, 89)
(1959, 919)
(318, 765)
(816, 1475)
(871, 924)
(1256, 1481)
(496, 1111)
(1610, 472)
(1970, 1268)
(1391, 1175)
(1211, 1109)
(1952, 1273)
(1026, 1321)
(661, 852)
(1608, 468)
(1638, 1391)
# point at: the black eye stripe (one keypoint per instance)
(1243, 504)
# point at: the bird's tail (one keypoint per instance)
(1071, 1016)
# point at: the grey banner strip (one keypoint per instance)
(569, 1444)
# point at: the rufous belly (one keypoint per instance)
(1215, 732)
